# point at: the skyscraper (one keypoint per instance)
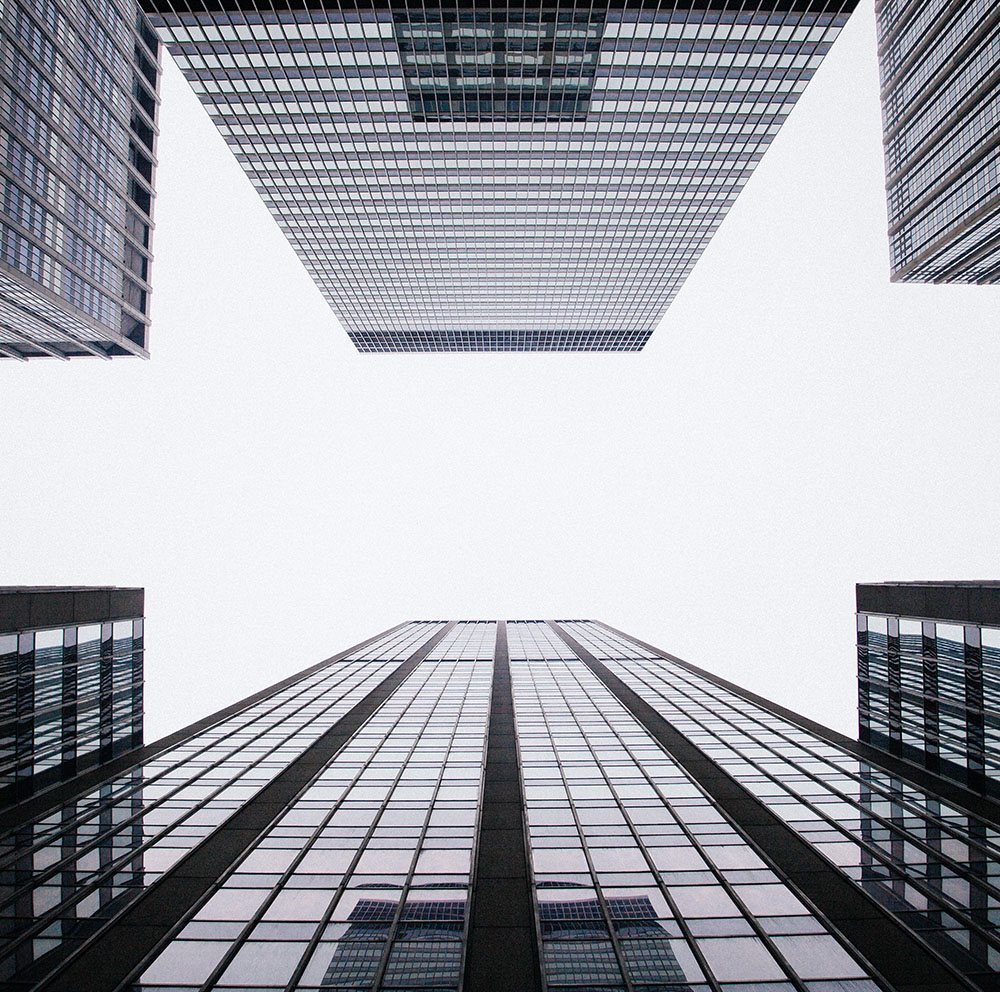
(929, 676)
(70, 682)
(940, 68)
(488, 805)
(483, 177)
(78, 103)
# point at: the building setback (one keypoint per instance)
(929, 676)
(940, 69)
(78, 105)
(481, 177)
(70, 682)
(502, 805)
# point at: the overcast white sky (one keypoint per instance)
(795, 425)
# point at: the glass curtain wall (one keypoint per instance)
(930, 692)
(364, 882)
(52, 868)
(78, 109)
(68, 695)
(940, 107)
(932, 863)
(640, 882)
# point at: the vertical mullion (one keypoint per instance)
(69, 693)
(975, 725)
(25, 743)
(932, 697)
(137, 687)
(893, 663)
(864, 686)
(502, 951)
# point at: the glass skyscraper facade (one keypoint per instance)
(521, 805)
(940, 69)
(482, 177)
(78, 107)
(70, 682)
(929, 676)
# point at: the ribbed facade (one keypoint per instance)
(78, 107)
(940, 69)
(929, 676)
(71, 676)
(500, 178)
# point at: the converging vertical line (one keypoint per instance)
(503, 945)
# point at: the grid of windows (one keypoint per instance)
(60, 873)
(940, 99)
(638, 877)
(468, 641)
(930, 692)
(68, 695)
(500, 179)
(78, 102)
(934, 865)
(364, 882)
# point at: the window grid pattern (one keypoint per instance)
(78, 107)
(399, 644)
(68, 696)
(930, 692)
(933, 865)
(517, 221)
(535, 640)
(65, 873)
(469, 640)
(940, 93)
(640, 882)
(364, 883)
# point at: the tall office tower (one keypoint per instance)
(929, 676)
(502, 805)
(70, 682)
(467, 177)
(940, 68)
(78, 101)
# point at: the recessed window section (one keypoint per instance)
(501, 64)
